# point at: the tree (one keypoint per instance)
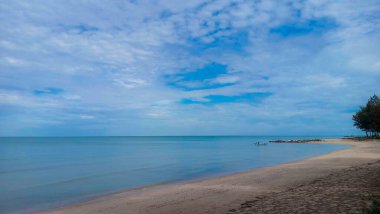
(368, 117)
(362, 120)
(373, 106)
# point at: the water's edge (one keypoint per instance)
(40, 174)
(163, 185)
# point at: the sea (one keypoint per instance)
(40, 173)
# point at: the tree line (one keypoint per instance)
(367, 118)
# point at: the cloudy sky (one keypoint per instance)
(197, 67)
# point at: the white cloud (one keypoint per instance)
(86, 117)
(111, 60)
(223, 79)
(131, 82)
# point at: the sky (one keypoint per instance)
(197, 67)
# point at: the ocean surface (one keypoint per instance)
(43, 173)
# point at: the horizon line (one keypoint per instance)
(179, 136)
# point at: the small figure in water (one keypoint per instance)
(260, 144)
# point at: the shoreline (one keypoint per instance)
(223, 193)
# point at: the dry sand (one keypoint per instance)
(339, 182)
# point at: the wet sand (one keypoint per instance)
(345, 191)
(338, 182)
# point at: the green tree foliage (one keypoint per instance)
(368, 117)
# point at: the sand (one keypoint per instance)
(344, 191)
(344, 181)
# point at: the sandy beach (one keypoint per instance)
(344, 181)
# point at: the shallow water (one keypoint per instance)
(40, 173)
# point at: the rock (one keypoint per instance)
(295, 141)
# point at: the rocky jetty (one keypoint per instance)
(295, 141)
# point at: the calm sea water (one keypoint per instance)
(40, 173)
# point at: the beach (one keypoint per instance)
(337, 182)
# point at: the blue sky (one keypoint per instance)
(201, 67)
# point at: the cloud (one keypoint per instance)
(131, 82)
(254, 98)
(86, 117)
(48, 91)
(159, 67)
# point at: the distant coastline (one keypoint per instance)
(295, 141)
